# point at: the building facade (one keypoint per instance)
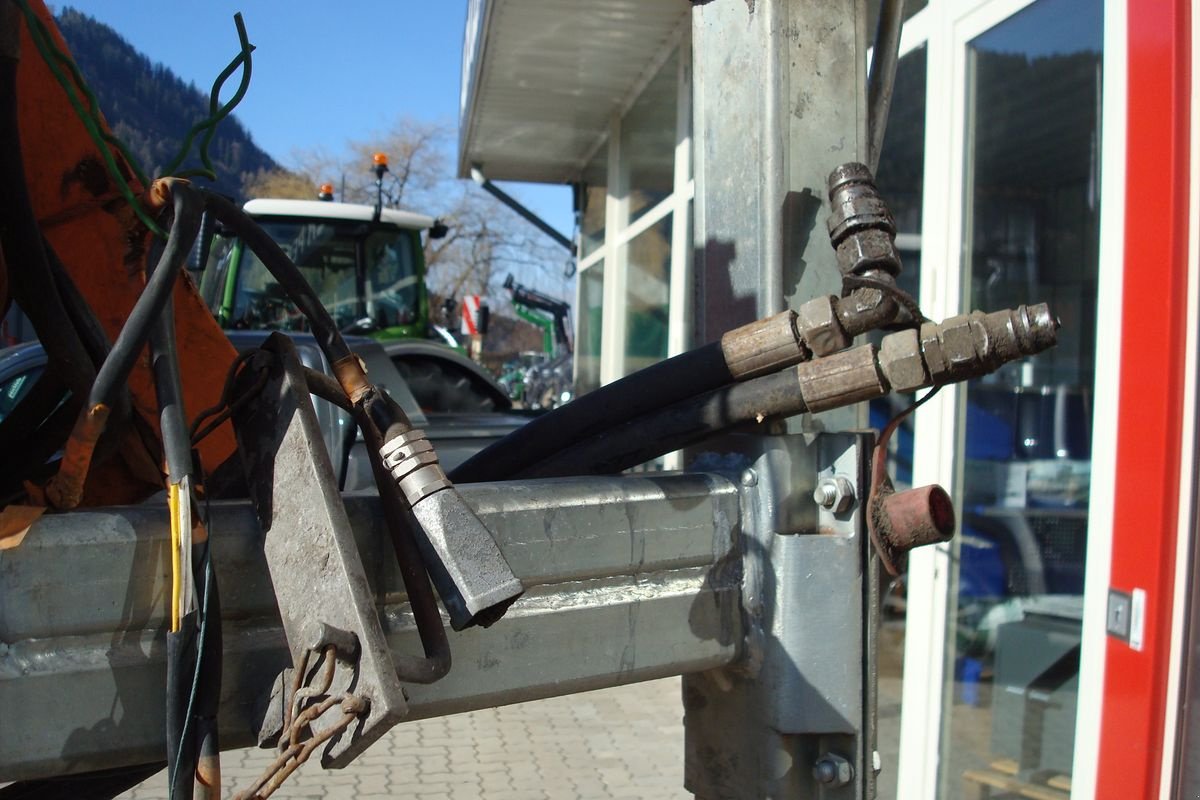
(1037, 150)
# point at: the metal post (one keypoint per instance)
(779, 102)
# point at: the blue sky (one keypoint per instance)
(323, 72)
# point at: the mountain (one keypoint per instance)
(151, 109)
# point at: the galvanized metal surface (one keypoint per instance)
(630, 579)
(758, 728)
(313, 558)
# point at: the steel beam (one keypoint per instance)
(629, 579)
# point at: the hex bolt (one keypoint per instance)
(835, 493)
(833, 770)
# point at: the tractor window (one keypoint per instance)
(364, 275)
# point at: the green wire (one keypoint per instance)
(75, 85)
(41, 40)
(217, 113)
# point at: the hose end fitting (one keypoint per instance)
(861, 228)
(470, 573)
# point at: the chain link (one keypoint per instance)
(297, 741)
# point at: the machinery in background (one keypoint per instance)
(541, 380)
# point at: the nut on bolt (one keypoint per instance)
(817, 321)
(901, 361)
(835, 494)
(833, 770)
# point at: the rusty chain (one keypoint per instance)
(294, 748)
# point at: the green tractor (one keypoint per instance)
(367, 264)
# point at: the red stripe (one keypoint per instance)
(1149, 425)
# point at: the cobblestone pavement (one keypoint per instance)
(614, 744)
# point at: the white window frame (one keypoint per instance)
(618, 231)
(946, 27)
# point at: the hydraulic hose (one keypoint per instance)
(755, 349)
(30, 280)
(400, 523)
(66, 488)
(960, 348)
(862, 231)
(463, 560)
(883, 76)
(193, 645)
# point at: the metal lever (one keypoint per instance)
(325, 601)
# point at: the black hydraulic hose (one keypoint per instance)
(752, 402)
(160, 286)
(417, 586)
(691, 373)
(182, 645)
(30, 279)
(328, 337)
(400, 524)
(883, 76)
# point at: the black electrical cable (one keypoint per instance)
(883, 76)
(328, 337)
(417, 586)
(752, 402)
(30, 280)
(658, 385)
(182, 644)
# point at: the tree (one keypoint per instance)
(486, 240)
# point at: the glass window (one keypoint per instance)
(647, 289)
(364, 274)
(594, 198)
(587, 343)
(1031, 234)
(648, 141)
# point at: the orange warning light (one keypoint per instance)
(380, 159)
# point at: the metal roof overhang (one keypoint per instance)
(542, 79)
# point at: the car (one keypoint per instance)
(456, 436)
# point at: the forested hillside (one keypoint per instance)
(151, 109)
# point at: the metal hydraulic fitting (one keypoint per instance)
(471, 575)
(764, 346)
(817, 322)
(861, 227)
(962, 346)
(901, 361)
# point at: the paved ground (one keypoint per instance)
(614, 744)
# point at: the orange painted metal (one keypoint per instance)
(103, 246)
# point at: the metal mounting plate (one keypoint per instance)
(314, 562)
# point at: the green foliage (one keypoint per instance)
(151, 109)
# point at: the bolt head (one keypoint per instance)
(833, 770)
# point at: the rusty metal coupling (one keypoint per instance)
(861, 227)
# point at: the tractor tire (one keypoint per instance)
(442, 387)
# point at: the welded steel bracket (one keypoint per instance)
(315, 566)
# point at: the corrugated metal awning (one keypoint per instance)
(542, 78)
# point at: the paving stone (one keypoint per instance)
(624, 743)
